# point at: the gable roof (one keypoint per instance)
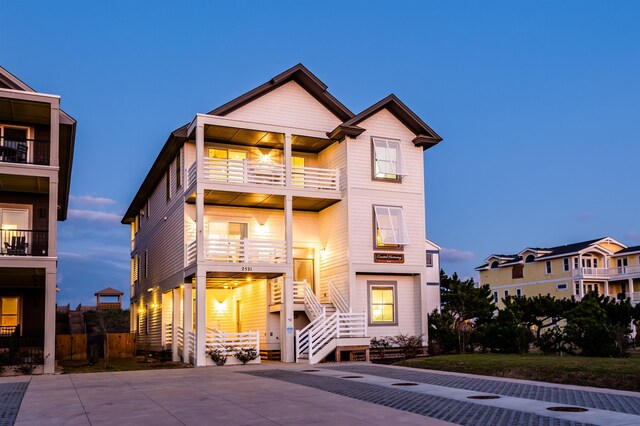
(426, 137)
(109, 291)
(301, 75)
(632, 249)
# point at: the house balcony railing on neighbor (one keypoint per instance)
(240, 251)
(606, 273)
(17, 242)
(28, 151)
(243, 172)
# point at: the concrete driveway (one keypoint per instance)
(282, 394)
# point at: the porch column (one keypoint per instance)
(287, 161)
(631, 289)
(52, 232)
(50, 320)
(581, 289)
(175, 322)
(54, 143)
(201, 319)
(573, 288)
(606, 288)
(421, 283)
(187, 321)
(199, 193)
(286, 314)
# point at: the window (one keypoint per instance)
(388, 162)
(178, 170)
(575, 263)
(168, 183)
(297, 171)
(547, 266)
(429, 260)
(495, 264)
(506, 294)
(147, 209)
(19, 145)
(517, 271)
(530, 258)
(518, 292)
(135, 263)
(15, 238)
(146, 319)
(382, 302)
(565, 264)
(9, 309)
(495, 297)
(391, 230)
(622, 262)
(561, 287)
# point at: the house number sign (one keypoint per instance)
(388, 257)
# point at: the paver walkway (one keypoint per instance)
(285, 394)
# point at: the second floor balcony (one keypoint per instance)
(24, 151)
(607, 273)
(266, 174)
(244, 251)
(20, 242)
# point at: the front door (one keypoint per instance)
(303, 266)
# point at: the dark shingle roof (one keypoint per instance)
(629, 250)
(569, 248)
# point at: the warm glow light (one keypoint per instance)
(265, 158)
(248, 279)
(181, 285)
(140, 311)
(220, 306)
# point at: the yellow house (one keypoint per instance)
(604, 266)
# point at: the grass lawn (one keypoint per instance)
(613, 373)
(117, 364)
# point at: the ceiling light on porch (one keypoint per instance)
(265, 158)
(248, 279)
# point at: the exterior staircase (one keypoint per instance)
(332, 325)
(76, 322)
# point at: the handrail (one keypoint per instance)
(25, 151)
(312, 305)
(606, 272)
(245, 251)
(336, 298)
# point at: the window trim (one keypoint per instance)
(518, 292)
(19, 319)
(403, 229)
(429, 259)
(496, 297)
(566, 287)
(403, 167)
(178, 170)
(565, 264)
(371, 284)
(146, 263)
(548, 268)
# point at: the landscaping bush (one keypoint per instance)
(244, 355)
(218, 356)
(380, 346)
(410, 345)
(442, 337)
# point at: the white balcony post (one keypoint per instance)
(286, 313)
(54, 143)
(199, 193)
(50, 320)
(631, 290)
(201, 319)
(287, 162)
(573, 288)
(187, 321)
(175, 322)
(606, 288)
(53, 218)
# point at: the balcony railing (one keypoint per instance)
(240, 251)
(607, 272)
(269, 174)
(28, 151)
(17, 242)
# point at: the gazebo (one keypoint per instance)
(110, 304)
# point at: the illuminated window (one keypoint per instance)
(382, 303)
(222, 154)
(10, 313)
(391, 230)
(297, 171)
(388, 162)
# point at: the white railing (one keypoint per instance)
(607, 272)
(320, 332)
(192, 343)
(243, 171)
(168, 334)
(301, 290)
(192, 250)
(625, 270)
(312, 306)
(336, 298)
(229, 343)
(245, 251)
(180, 337)
(192, 174)
(315, 178)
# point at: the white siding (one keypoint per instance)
(288, 105)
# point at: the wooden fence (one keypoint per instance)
(74, 346)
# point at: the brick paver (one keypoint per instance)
(583, 398)
(10, 398)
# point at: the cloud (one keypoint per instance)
(633, 235)
(94, 215)
(586, 216)
(452, 255)
(90, 200)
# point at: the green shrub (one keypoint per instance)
(244, 355)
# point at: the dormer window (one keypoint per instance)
(495, 264)
(530, 258)
(388, 162)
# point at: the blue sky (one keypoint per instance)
(537, 103)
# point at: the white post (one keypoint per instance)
(631, 290)
(298, 345)
(606, 288)
(50, 320)
(310, 344)
(286, 313)
(175, 322)
(287, 161)
(201, 319)
(187, 321)
(581, 289)
(573, 288)
(54, 142)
